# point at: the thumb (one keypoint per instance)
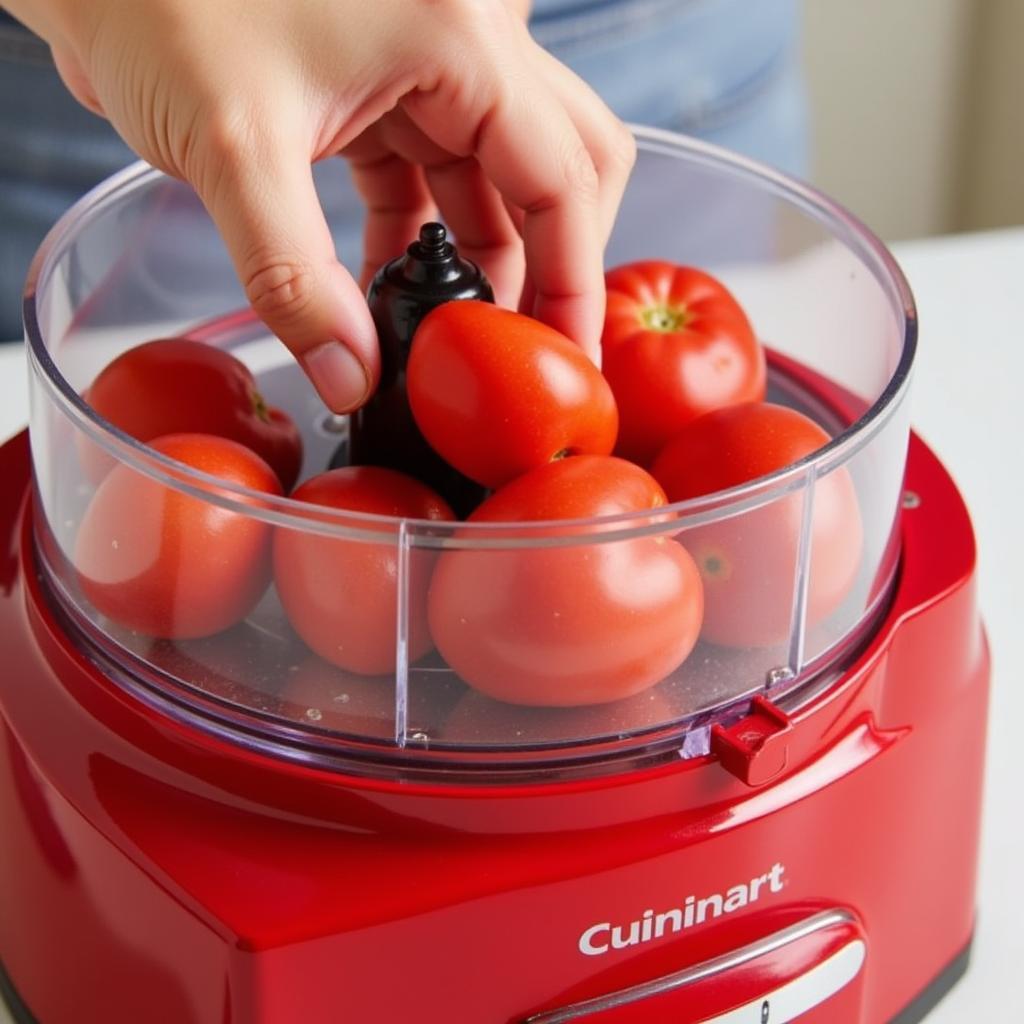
(267, 210)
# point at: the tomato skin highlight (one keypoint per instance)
(749, 562)
(340, 594)
(676, 344)
(566, 626)
(170, 565)
(497, 393)
(176, 385)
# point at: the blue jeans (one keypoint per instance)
(723, 70)
(726, 71)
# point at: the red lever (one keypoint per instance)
(756, 748)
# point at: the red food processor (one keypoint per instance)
(780, 825)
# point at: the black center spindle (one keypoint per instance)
(402, 293)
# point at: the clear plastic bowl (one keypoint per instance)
(138, 259)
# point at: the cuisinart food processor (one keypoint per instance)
(227, 830)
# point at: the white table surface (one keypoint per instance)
(968, 403)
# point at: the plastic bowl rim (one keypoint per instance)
(690, 513)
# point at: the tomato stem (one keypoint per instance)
(665, 318)
(259, 406)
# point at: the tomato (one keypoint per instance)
(167, 564)
(174, 385)
(496, 393)
(749, 561)
(341, 594)
(564, 625)
(676, 344)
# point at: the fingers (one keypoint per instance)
(401, 174)
(529, 148)
(476, 214)
(608, 141)
(264, 203)
(551, 149)
(397, 201)
(512, 146)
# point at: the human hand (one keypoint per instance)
(434, 102)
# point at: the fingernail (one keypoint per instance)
(339, 377)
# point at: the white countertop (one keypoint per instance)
(968, 403)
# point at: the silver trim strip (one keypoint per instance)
(689, 975)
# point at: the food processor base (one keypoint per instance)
(13, 1003)
(936, 989)
(913, 1013)
(152, 872)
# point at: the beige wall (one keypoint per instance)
(992, 181)
(917, 111)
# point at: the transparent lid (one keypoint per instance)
(476, 649)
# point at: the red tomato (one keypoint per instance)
(563, 626)
(676, 344)
(749, 561)
(496, 393)
(341, 594)
(167, 564)
(174, 385)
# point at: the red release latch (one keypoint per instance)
(756, 748)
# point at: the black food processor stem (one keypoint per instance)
(402, 293)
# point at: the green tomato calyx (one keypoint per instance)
(665, 319)
(259, 406)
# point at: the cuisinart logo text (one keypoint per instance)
(600, 938)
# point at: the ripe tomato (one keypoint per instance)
(496, 393)
(174, 385)
(749, 561)
(167, 564)
(341, 594)
(584, 623)
(676, 344)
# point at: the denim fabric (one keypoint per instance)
(724, 70)
(51, 152)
